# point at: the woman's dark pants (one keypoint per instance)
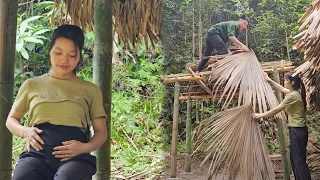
(298, 144)
(41, 165)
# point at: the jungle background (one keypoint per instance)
(141, 104)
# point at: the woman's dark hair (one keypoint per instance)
(298, 84)
(244, 17)
(71, 32)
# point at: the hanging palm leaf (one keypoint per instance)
(134, 20)
(235, 144)
(308, 41)
(242, 73)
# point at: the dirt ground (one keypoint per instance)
(197, 172)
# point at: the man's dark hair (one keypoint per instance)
(244, 17)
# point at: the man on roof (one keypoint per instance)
(220, 34)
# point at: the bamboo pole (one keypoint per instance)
(173, 166)
(282, 133)
(185, 77)
(8, 27)
(280, 69)
(203, 97)
(102, 76)
(182, 79)
(188, 136)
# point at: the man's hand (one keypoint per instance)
(244, 48)
(69, 149)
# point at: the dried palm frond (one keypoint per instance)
(236, 144)
(133, 20)
(308, 41)
(313, 145)
(314, 162)
(80, 12)
(137, 20)
(242, 73)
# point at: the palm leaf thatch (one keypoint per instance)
(134, 20)
(314, 162)
(309, 43)
(231, 138)
(235, 144)
(242, 73)
(313, 149)
(80, 11)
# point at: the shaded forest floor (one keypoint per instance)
(197, 172)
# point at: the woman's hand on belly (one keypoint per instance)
(69, 149)
(33, 139)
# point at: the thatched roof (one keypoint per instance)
(309, 43)
(133, 20)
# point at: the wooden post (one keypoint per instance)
(8, 29)
(282, 132)
(188, 136)
(173, 167)
(197, 111)
(102, 76)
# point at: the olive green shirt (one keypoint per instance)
(59, 102)
(225, 30)
(295, 109)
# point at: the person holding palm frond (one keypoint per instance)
(295, 105)
(220, 34)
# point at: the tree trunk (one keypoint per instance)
(8, 27)
(200, 32)
(193, 34)
(102, 76)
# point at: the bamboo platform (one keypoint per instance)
(198, 86)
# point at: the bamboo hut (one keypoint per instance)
(133, 21)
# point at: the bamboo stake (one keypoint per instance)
(282, 135)
(173, 167)
(188, 136)
(8, 26)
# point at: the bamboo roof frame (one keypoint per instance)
(197, 86)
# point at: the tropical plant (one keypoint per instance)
(29, 35)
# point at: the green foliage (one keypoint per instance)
(136, 108)
(277, 22)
